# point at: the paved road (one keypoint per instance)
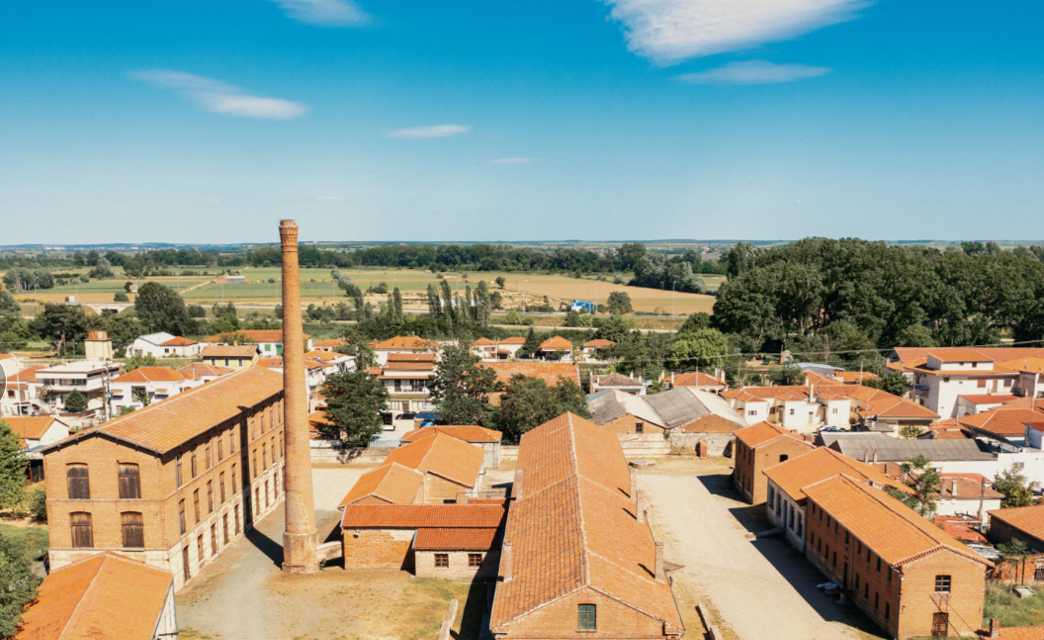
(760, 590)
(224, 601)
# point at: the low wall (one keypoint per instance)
(350, 455)
(714, 443)
(637, 445)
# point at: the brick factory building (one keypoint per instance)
(579, 559)
(759, 447)
(487, 439)
(103, 597)
(908, 575)
(1019, 523)
(172, 484)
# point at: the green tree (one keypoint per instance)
(7, 303)
(102, 270)
(529, 402)
(613, 328)
(354, 402)
(120, 297)
(460, 387)
(75, 402)
(61, 325)
(788, 374)
(696, 322)
(1012, 483)
(532, 343)
(925, 482)
(910, 431)
(160, 308)
(619, 303)
(12, 467)
(703, 346)
(142, 396)
(140, 360)
(18, 583)
(892, 382)
(397, 304)
(501, 282)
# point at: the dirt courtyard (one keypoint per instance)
(244, 595)
(754, 589)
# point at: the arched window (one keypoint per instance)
(82, 529)
(133, 530)
(130, 482)
(587, 617)
(78, 482)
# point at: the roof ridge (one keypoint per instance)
(79, 603)
(584, 547)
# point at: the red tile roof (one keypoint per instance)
(467, 433)
(163, 426)
(179, 342)
(1027, 519)
(405, 342)
(197, 370)
(32, 428)
(454, 539)
(959, 354)
(986, 398)
(819, 464)
(616, 380)
(442, 455)
(755, 394)
(145, 375)
(857, 377)
(409, 366)
(419, 516)
(696, 379)
(482, 342)
(513, 341)
(229, 351)
(970, 485)
(257, 335)
(598, 343)
(917, 356)
(556, 343)
(25, 376)
(105, 597)
(758, 434)
(1016, 633)
(412, 357)
(329, 343)
(888, 527)
(1005, 420)
(549, 372)
(574, 526)
(392, 483)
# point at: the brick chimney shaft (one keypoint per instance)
(659, 562)
(505, 561)
(299, 539)
(994, 628)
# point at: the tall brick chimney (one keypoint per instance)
(299, 539)
(658, 569)
(505, 561)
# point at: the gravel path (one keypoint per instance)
(758, 589)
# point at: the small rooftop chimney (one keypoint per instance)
(516, 488)
(658, 570)
(994, 628)
(875, 456)
(634, 484)
(639, 507)
(505, 561)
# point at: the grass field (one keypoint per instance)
(317, 287)
(35, 536)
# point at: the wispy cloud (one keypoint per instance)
(328, 198)
(434, 131)
(753, 72)
(668, 31)
(325, 13)
(217, 97)
(514, 160)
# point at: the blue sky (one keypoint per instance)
(605, 120)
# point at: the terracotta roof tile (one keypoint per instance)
(819, 464)
(513, 341)
(1016, 633)
(549, 372)
(467, 433)
(598, 343)
(452, 539)
(442, 455)
(105, 597)
(574, 525)
(26, 375)
(229, 351)
(151, 374)
(419, 516)
(412, 357)
(696, 379)
(197, 370)
(1028, 519)
(749, 394)
(888, 527)
(1005, 420)
(959, 354)
(987, 398)
(178, 341)
(406, 342)
(392, 483)
(616, 380)
(409, 366)
(257, 335)
(32, 428)
(163, 426)
(329, 343)
(762, 432)
(556, 343)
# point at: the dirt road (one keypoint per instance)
(756, 589)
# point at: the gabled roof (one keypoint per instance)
(409, 366)
(574, 526)
(162, 426)
(454, 539)
(549, 372)
(987, 398)
(31, 428)
(598, 343)
(616, 380)
(418, 516)
(512, 340)
(887, 449)
(1007, 420)
(610, 404)
(874, 402)
(1025, 365)
(145, 375)
(760, 394)
(556, 343)
(405, 342)
(819, 464)
(197, 370)
(1027, 519)
(482, 342)
(329, 343)
(392, 483)
(959, 354)
(179, 342)
(758, 434)
(257, 335)
(442, 455)
(889, 528)
(229, 351)
(25, 376)
(157, 338)
(412, 357)
(970, 486)
(918, 356)
(467, 433)
(685, 405)
(105, 597)
(696, 379)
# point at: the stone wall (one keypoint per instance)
(714, 443)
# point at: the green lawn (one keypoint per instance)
(1012, 610)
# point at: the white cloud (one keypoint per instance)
(217, 97)
(668, 31)
(514, 160)
(753, 72)
(327, 13)
(326, 198)
(434, 131)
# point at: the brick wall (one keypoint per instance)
(714, 443)
(378, 548)
(558, 620)
(459, 568)
(751, 464)
(629, 424)
(438, 489)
